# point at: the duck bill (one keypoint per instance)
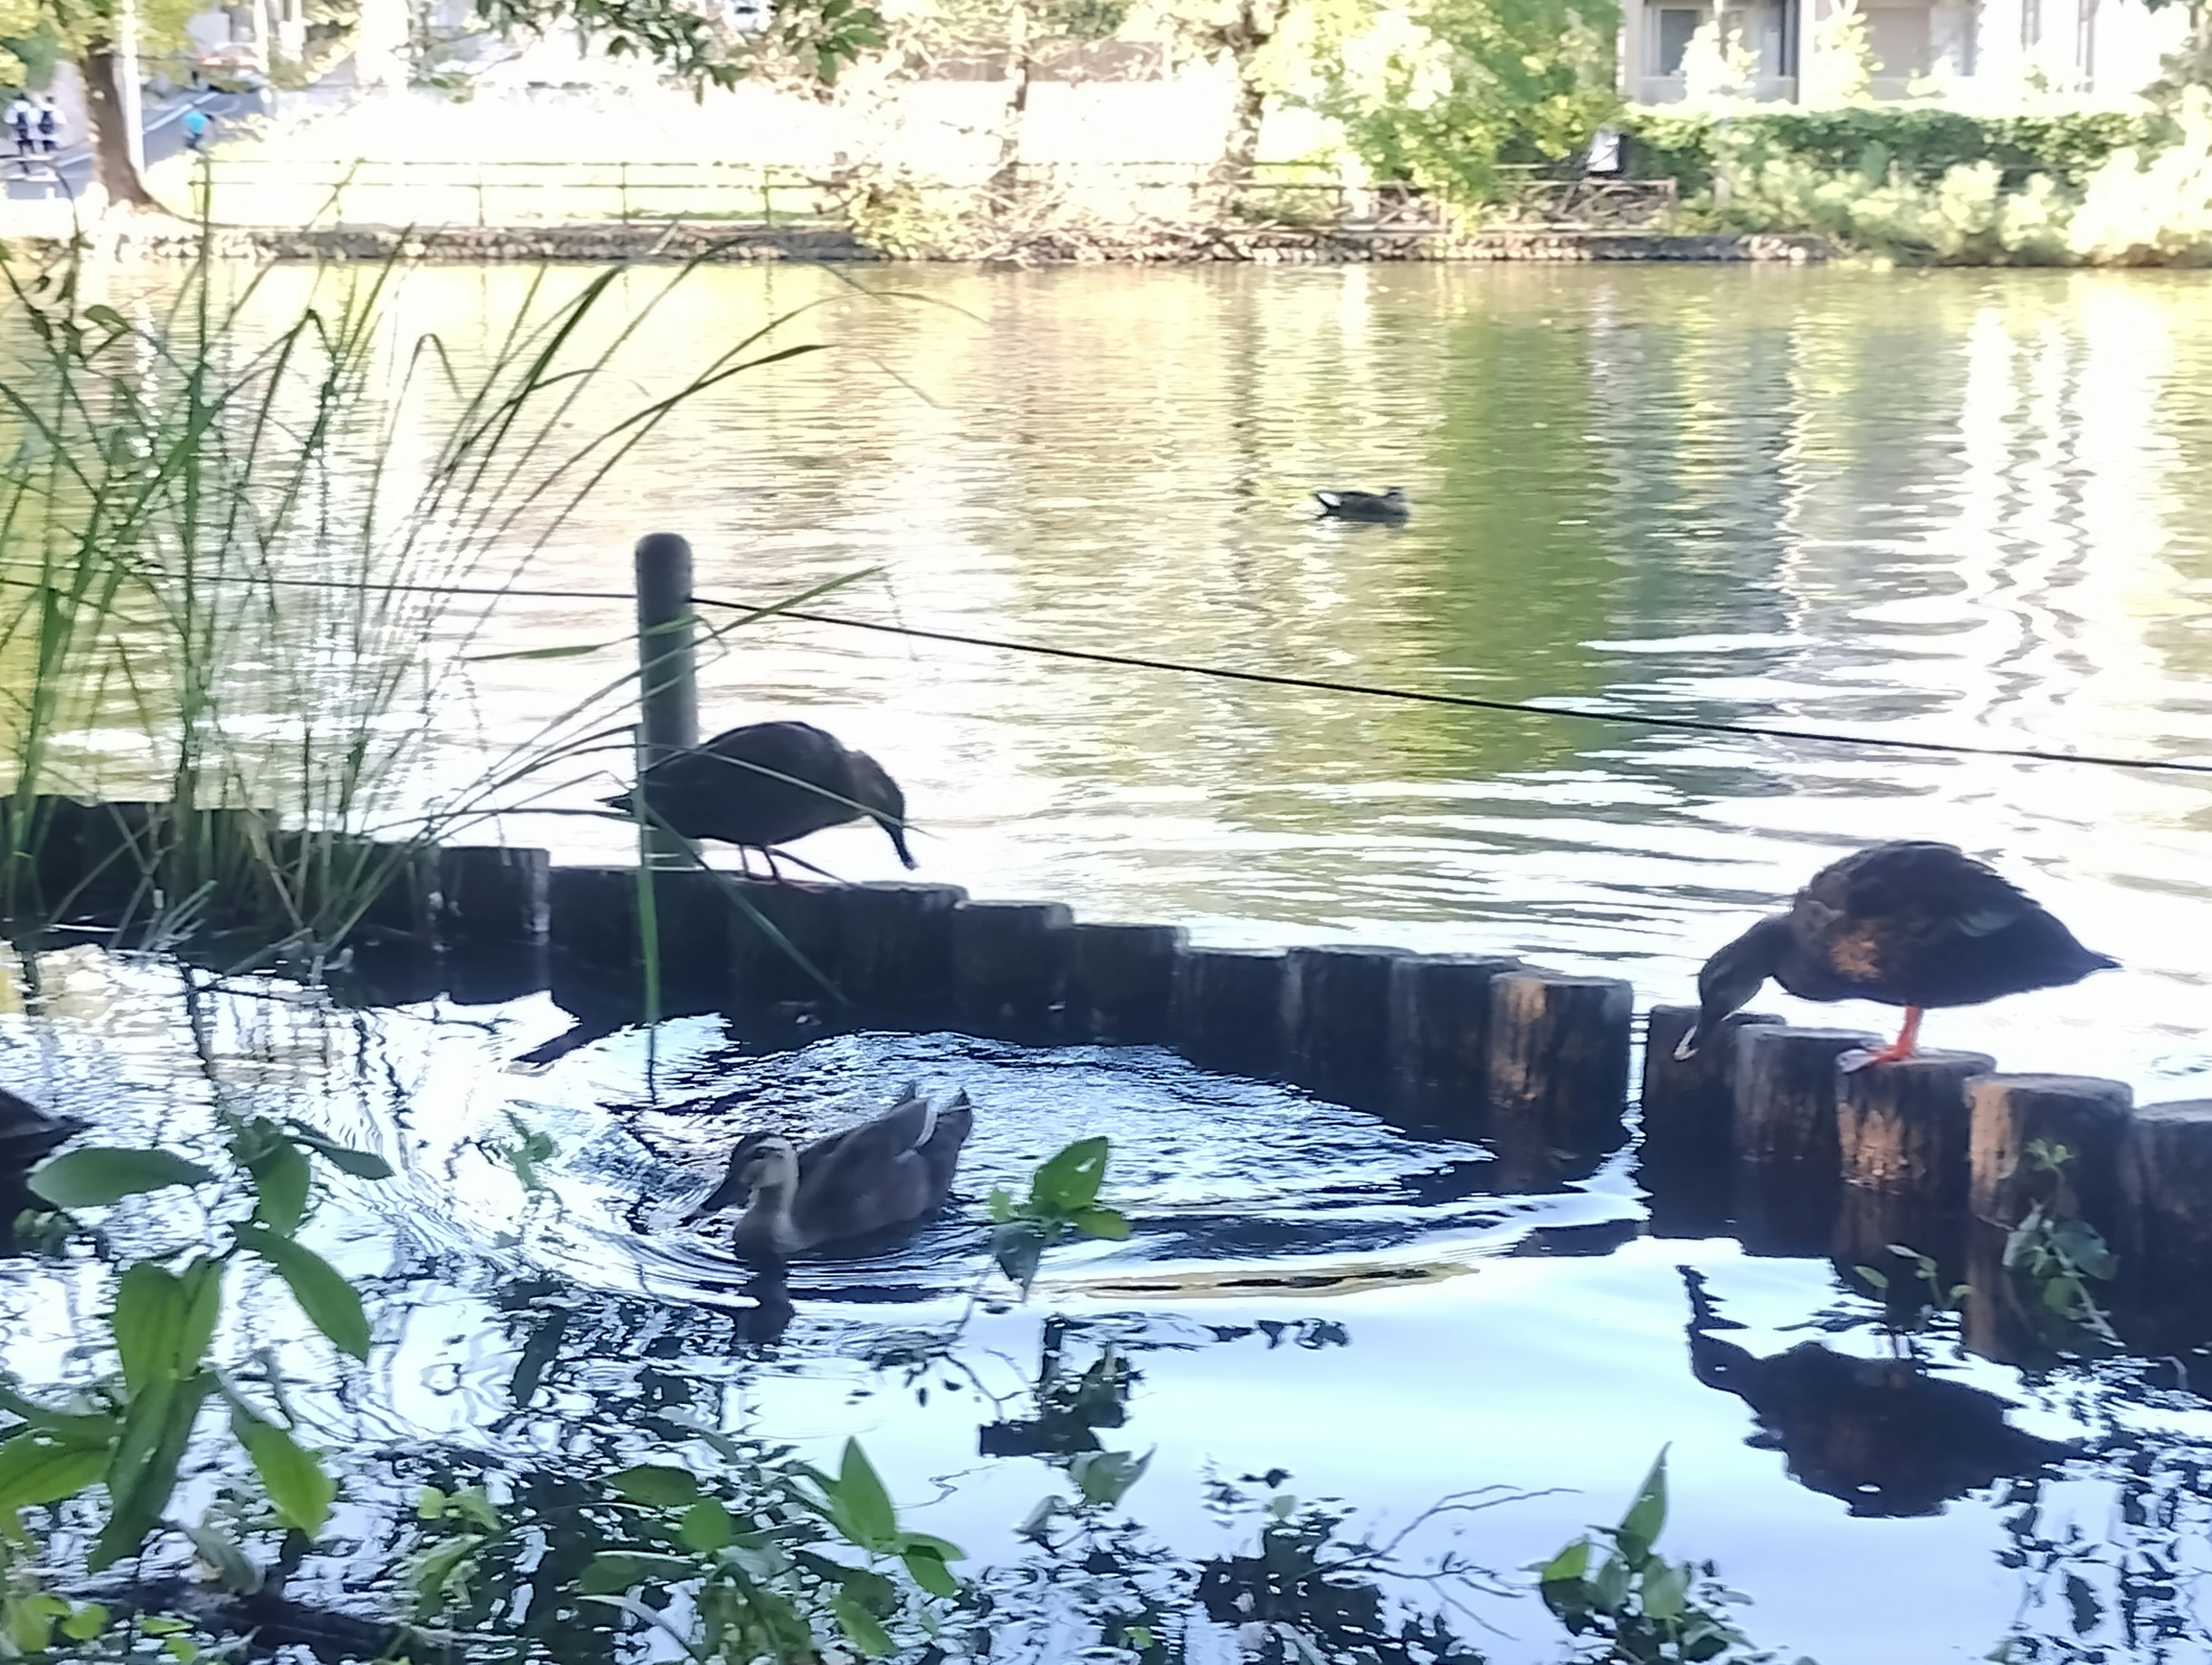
(728, 1195)
(897, 835)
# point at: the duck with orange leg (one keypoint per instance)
(1911, 924)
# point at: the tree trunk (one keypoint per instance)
(114, 168)
(1020, 70)
(1239, 147)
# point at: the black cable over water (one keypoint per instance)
(1272, 680)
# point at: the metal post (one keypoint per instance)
(668, 687)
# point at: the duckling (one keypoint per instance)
(892, 1171)
(1908, 923)
(766, 784)
(1391, 507)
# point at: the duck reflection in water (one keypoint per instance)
(1880, 1434)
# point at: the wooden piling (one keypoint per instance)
(765, 922)
(1903, 1127)
(1227, 1008)
(894, 946)
(1558, 1061)
(492, 893)
(1336, 1019)
(1689, 1103)
(1785, 1099)
(1010, 964)
(1120, 980)
(2085, 1115)
(1439, 1036)
(592, 920)
(668, 685)
(2166, 1192)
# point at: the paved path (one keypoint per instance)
(165, 137)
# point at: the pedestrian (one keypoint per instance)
(195, 126)
(21, 119)
(50, 127)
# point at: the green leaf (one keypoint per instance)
(86, 1622)
(142, 1472)
(101, 1174)
(1018, 1250)
(572, 651)
(34, 1469)
(1571, 1564)
(612, 1571)
(107, 317)
(869, 1516)
(656, 1486)
(474, 1504)
(297, 1487)
(441, 1571)
(706, 1527)
(226, 1557)
(942, 1548)
(867, 1634)
(1109, 1223)
(1647, 1516)
(999, 1205)
(331, 1304)
(1070, 1180)
(163, 1322)
(1608, 1589)
(1666, 1589)
(1104, 1476)
(362, 1164)
(928, 1569)
(28, 1621)
(280, 1181)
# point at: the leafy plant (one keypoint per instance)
(2056, 1253)
(1911, 1301)
(1062, 1201)
(1640, 1606)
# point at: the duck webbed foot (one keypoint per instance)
(1906, 1045)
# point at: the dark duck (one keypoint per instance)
(1389, 506)
(766, 784)
(1909, 924)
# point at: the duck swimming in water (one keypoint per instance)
(1390, 507)
(766, 784)
(1910, 923)
(891, 1171)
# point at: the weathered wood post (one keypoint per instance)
(1227, 1008)
(1687, 1158)
(1788, 1167)
(1336, 1018)
(1558, 1066)
(2085, 1116)
(2165, 1190)
(1902, 1136)
(1120, 980)
(1010, 964)
(894, 946)
(1440, 1036)
(668, 684)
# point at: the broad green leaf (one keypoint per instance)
(101, 1174)
(442, 1571)
(867, 1506)
(1608, 1587)
(612, 1571)
(297, 1487)
(706, 1527)
(1647, 1516)
(1104, 1476)
(861, 1625)
(331, 1304)
(1571, 1564)
(281, 1180)
(28, 1621)
(1109, 1223)
(473, 1503)
(107, 317)
(1665, 1589)
(362, 1164)
(164, 1321)
(656, 1486)
(143, 1473)
(943, 1549)
(928, 1569)
(34, 1469)
(1019, 1250)
(999, 1205)
(1070, 1180)
(86, 1622)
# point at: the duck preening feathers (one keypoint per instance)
(1909, 924)
(1392, 506)
(766, 784)
(892, 1171)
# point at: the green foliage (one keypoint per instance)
(818, 38)
(1063, 1201)
(1643, 1607)
(1439, 93)
(2054, 1254)
(97, 1177)
(1911, 1301)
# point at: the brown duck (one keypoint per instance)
(766, 784)
(1911, 924)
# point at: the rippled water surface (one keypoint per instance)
(1953, 507)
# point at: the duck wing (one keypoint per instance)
(1919, 923)
(888, 1171)
(763, 784)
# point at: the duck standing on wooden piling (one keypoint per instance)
(766, 784)
(1391, 508)
(1909, 923)
(895, 1169)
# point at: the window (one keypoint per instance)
(1676, 25)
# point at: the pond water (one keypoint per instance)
(1954, 507)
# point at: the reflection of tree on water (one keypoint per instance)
(1881, 1434)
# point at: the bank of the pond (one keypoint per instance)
(707, 240)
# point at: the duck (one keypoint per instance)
(1909, 923)
(766, 784)
(1391, 507)
(894, 1169)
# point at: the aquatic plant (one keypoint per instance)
(1062, 1202)
(2055, 1254)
